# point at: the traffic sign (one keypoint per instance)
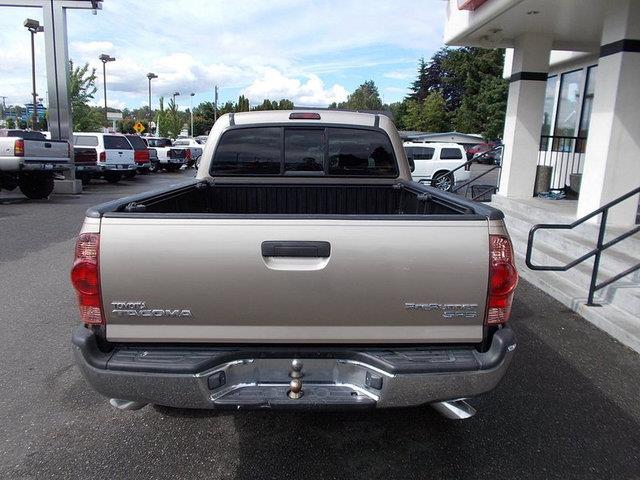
(138, 127)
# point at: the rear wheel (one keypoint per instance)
(172, 167)
(443, 180)
(130, 174)
(85, 178)
(35, 186)
(153, 167)
(112, 177)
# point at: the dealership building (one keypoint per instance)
(573, 119)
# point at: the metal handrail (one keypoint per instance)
(601, 246)
(473, 160)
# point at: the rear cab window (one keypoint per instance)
(137, 142)
(159, 142)
(304, 151)
(25, 135)
(85, 140)
(116, 142)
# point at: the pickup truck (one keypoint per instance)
(29, 161)
(170, 158)
(317, 275)
(85, 160)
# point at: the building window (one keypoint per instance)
(587, 106)
(549, 105)
(568, 105)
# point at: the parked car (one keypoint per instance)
(85, 160)
(153, 159)
(29, 161)
(312, 279)
(490, 157)
(194, 146)
(479, 152)
(140, 154)
(115, 153)
(432, 163)
(170, 158)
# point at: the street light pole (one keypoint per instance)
(175, 94)
(34, 27)
(191, 111)
(150, 76)
(104, 58)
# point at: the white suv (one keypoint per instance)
(115, 153)
(432, 163)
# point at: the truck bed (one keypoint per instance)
(397, 199)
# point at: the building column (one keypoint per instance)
(523, 121)
(612, 163)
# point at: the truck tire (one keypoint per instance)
(153, 167)
(112, 177)
(85, 178)
(34, 186)
(130, 174)
(443, 180)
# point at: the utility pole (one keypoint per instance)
(191, 110)
(34, 27)
(215, 104)
(4, 105)
(104, 58)
(150, 76)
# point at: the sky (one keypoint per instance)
(312, 52)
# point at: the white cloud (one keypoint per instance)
(273, 84)
(305, 50)
(403, 74)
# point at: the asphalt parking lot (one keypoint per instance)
(568, 408)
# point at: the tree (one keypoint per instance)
(469, 81)
(243, 104)
(82, 87)
(11, 123)
(365, 97)
(420, 87)
(170, 121)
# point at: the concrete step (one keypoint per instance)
(615, 259)
(623, 294)
(535, 211)
(620, 324)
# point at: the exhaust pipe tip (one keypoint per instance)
(126, 404)
(454, 409)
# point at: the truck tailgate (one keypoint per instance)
(46, 151)
(211, 280)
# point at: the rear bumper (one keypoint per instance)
(117, 167)
(31, 166)
(332, 377)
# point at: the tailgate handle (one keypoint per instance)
(47, 145)
(296, 249)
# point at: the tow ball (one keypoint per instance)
(295, 386)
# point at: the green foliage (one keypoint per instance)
(82, 87)
(243, 104)
(11, 123)
(430, 115)
(459, 89)
(365, 97)
(170, 121)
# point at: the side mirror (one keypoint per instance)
(412, 164)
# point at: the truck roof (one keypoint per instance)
(326, 116)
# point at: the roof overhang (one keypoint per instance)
(574, 25)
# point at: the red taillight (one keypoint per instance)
(141, 156)
(304, 116)
(503, 278)
(18, 148)
(85, 278)
(102, 157)
(187, 154)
